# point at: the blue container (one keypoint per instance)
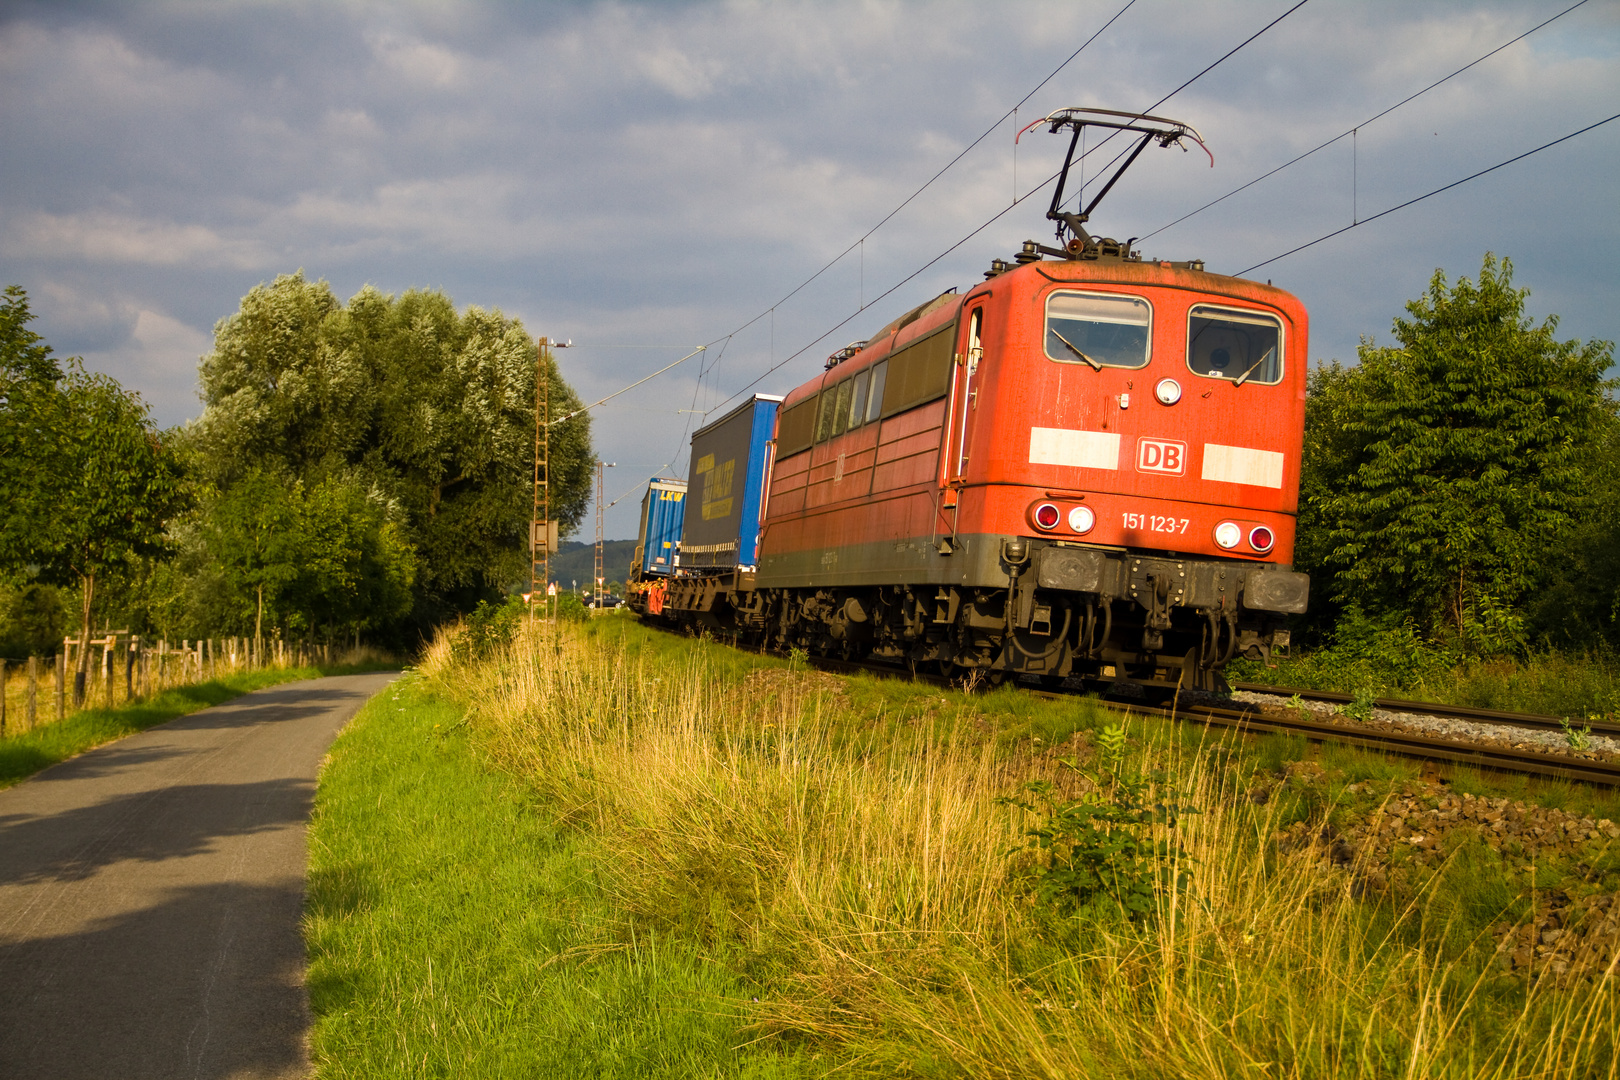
(730, 458)
(662, 511)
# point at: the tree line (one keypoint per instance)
(364, 468)
(359, 469)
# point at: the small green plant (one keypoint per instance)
(1110, 842)
(797, 658)
(1297, 704)
(1361, 705)
(1578, 738)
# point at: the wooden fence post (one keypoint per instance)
(79, 677)
(33, 692)
(130, 660)
(61, 682)
(2, 697)
(106, 668)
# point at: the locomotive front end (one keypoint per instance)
(1132, 431)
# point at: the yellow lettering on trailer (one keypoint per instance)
(717, 488)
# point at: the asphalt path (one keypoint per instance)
(150, 895)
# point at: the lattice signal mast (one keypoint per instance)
(539, 545)
(596, 596)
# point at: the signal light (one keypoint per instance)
(1260, 539)
(1168, 391)
(1081, 519)
(1047, 516)
(1228, 534)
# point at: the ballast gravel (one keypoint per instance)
(1445, 727)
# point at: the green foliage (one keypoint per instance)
(1440, 472)
(32, 620)
(319, 558)
(24, 356)
(570, 607)
(428, 410)
(1111, 842)
(90, 484)
(490, 628)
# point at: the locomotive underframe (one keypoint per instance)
(1051, 610)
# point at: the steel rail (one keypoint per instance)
(1250, 719)
(1463, 712)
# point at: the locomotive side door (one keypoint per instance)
(967, 394)
(963, 397)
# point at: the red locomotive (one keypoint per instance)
(1085, 467)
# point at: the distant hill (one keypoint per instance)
(576, 561)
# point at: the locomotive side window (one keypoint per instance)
(874, 400)
(857, 403)
(796, 428)
(1225, 343)
(841, 407)
(1097, 329)
(920, 372)
(824, 418)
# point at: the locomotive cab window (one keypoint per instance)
(1100, 330)
(1224, 343)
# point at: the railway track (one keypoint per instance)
(1252, 719)
(1428, 708)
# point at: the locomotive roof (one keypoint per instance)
(924, 319)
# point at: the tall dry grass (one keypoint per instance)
(864, 885)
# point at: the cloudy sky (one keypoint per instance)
(645, 178)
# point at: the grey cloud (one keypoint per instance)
(645, 174)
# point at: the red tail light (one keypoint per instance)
(1260, 538)
(1047, 516)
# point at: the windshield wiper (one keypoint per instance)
(1241, 378)
(1076, 351)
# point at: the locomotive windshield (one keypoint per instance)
(1097, 329)
(1244, 346)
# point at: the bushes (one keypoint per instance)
(490, 628)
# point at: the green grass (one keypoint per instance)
(454, 930)
(25, 754)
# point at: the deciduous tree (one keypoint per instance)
(430, 409)
(1444, 469)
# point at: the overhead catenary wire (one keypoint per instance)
(998, 215)
(632, 386)
(1352, 130)
(861, 241)
(1420, 198)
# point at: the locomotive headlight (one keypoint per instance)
(1261, 539)
(1081, 519)
(1228, 534)
(1047, 516)
(1168, 391)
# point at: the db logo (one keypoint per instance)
(1161, 456)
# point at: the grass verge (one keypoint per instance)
(456, 929)
(841, 854)
(25, 754)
